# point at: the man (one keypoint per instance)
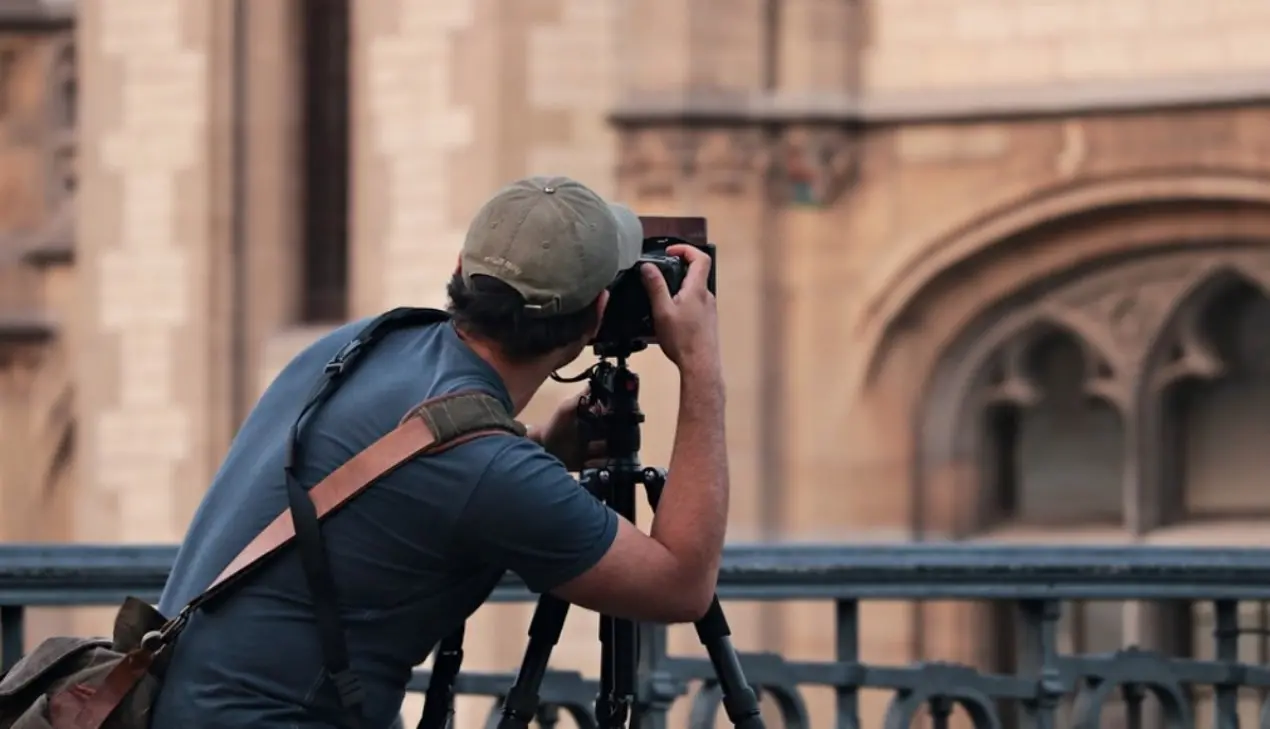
(417, 553)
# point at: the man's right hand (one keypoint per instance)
(686, 324)
(670, 575)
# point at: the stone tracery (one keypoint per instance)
(1128, 398)
(1125, 315)
(1130, 331)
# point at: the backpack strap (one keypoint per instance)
(430, 427)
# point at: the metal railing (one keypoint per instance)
(1035, 580)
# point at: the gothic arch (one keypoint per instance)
(1188, 356)
(1181, 351)
(1039, 217)
(956, 386)
(1133, 321)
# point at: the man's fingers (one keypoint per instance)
(655, 284)
(698, 265)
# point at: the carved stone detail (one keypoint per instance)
(1189, 354)
(733, 161)
(806, 165)
(1010, 381)
(63, 103)
(660, 161)
(1125, 307)
(654, 161)
(816, 164)
(1138, 320)
(8, 59)
(1144, 317)
(1254, 265)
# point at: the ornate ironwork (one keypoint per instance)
(1036, 580)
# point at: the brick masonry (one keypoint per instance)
(413, 126)
(141, 137)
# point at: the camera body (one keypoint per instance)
(628, 319)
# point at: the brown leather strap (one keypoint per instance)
(382, 457)
(408, 440)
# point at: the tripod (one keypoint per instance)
(615, 390)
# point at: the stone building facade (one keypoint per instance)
(992, 269)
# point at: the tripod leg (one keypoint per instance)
(521, 704)
(739, 700)
(619, 663)
(438, 703)
(619, 645)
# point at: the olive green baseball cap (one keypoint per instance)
(553, 240)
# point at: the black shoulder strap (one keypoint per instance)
(308, 532)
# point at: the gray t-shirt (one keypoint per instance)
(413, 556)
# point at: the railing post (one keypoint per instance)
(1226, 650)
(11, 635)
(1037, 642)
(847, 624)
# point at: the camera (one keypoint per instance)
(628, 319)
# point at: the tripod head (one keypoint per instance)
(610, 412)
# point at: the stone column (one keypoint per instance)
(835, 484)
(148, 276)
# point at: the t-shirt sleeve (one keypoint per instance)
(527, 514)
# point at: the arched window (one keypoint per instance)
(1217, 421)
(1056, 450)
(1127, 401)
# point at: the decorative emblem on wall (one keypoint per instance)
(817, 164)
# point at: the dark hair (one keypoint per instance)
(495, 312)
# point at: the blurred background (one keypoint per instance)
(989, 269)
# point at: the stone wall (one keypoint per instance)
(863, 219)
(917, 45)
(145, 263)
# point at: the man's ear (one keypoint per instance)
(601, 305)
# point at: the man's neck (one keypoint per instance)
(521, 380)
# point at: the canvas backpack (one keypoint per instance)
(95, 683)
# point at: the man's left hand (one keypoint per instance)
(562, 438)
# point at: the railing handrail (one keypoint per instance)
(86, 574)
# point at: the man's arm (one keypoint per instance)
(527, 514)
(671, 575)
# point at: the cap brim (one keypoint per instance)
(630, 236)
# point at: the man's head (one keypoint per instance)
(535, 267)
